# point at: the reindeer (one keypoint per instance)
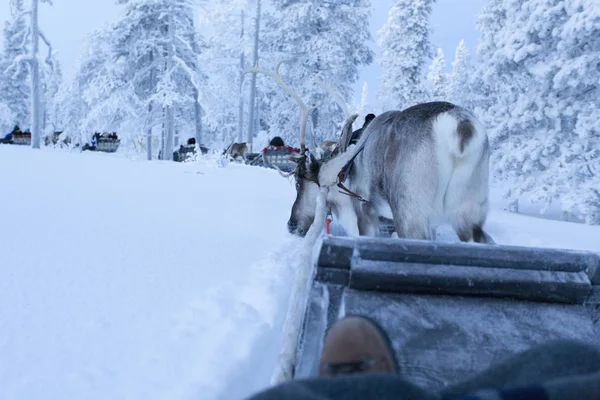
(237, 150)
(419, 167)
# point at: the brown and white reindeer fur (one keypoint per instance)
(422, 166)
(238, 150)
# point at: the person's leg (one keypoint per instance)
(347, 387)
(357, 362)
(548, 363)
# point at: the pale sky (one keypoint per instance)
(67, 22)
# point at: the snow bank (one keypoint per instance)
(129, 279)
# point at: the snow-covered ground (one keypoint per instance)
(128, 279)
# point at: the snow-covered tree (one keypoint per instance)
(405, 46)
(102, 84)
(14, 77)
(34, 60)
(495, 86)
(364, 99)
(51, 78)
(490, 68)
(437, 78)
(6, 119)
(459, 86)
(252, 118)
(73, 111)
(158, 39)
(328, 42)
(224, 60)
(545, 113)
(142, 72)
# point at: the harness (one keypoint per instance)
(228, 147)
(344, 174)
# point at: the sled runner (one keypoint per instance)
(451, 309)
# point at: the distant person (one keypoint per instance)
(358, 133)
(277, 142)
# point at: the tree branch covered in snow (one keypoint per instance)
(404, 41)
(536, 94)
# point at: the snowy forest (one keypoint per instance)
(169, 70)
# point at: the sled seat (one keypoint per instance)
(187, 152)
(23, 139)
(280, 158)
(108, 145)
(451, 309)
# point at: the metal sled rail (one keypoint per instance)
(451, 309)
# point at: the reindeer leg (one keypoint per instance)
(410, 222)
(349, 221)
(468, 222)
(368, 220)
(368, 227)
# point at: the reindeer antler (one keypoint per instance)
(337, 97)
(347, 133)
(304, 109)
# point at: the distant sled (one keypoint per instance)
(105, 142)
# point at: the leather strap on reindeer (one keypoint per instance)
(344, 174)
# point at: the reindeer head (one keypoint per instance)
(310, 174)
(306, 176)
(308, 167)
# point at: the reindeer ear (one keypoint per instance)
(311, 162)
(346, 134)
(313, 165)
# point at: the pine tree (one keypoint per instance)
(496, 85)
(328, 41)
(226, 56)
(14, 76)
(404, 40)
(437, 78)
(109, 102)
(157, 40)
(142, 72)
(6, 118)
(544, 121)
(364, 99)
(51, 77)
(459, 86)
(73, 111)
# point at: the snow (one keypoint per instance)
(145, 280)
(122, 278)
